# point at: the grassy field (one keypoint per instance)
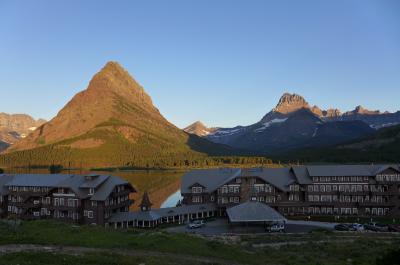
(158, 247)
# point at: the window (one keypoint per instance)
(196, 199)
(90, 214)
(238, 180)
(91, 191)
(268, 188)
(197, 189)
(212, 198)
(85, 213)
(94, 203)
(36, 214)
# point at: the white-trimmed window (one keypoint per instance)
(90, 214)
(91, 191)
(197, 189)
(94, 203)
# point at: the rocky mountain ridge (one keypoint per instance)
(294, 123)
(112, 122)
(14, 127)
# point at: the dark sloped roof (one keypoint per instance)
(186, 209)
(107, 187)
(211, 179)
(382, 168)
(145, 200)
(131, 216)
(4, 178)
(253, 211)
(160, 213)
(341, 170)
(278, 177)
(73, 183)
(95, 182)
(301, 174)
(37, 180)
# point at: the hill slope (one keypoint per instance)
(382, 146)
(111, 123)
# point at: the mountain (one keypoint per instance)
(13, 127)
(381, 146)
(199, 129)
(111, 123)
(374, 118)
(292, 124)
(298, 129)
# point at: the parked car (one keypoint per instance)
(394, 228)
(342, 227)
(376, 227)
(358, 227)
(280, 227)
(196, 224)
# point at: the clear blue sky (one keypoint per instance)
(222, 62)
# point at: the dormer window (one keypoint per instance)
(91, 191)
(197, 189)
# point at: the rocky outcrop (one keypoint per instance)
(14, 127)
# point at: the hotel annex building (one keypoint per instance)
(340, 190)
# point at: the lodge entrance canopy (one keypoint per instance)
(253, 211)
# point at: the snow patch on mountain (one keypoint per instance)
(225, 132)
(265, 125)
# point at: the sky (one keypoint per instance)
(225, 63)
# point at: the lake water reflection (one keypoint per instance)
(162, 185)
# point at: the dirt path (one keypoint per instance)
(71, 250)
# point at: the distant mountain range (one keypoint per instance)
(114, 123)
(14, 127)
(294, 124)
(111, 123)
(381, 146)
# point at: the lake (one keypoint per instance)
(163, 186)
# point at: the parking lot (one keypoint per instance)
(221, 226)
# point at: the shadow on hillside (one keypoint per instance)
(202, 145)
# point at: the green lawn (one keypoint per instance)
(40, 258)
(326, 248)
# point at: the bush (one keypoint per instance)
(55, 169)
